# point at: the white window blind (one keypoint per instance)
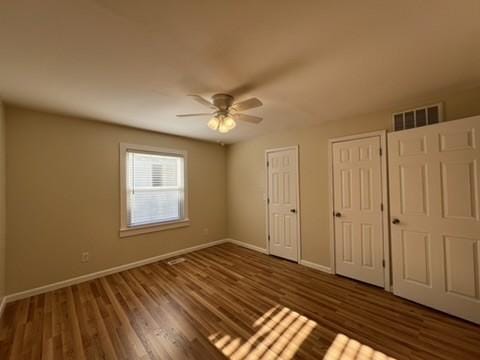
(155, 188)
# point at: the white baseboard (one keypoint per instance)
(95, 275)
(264, 251)
(247, 245)
(3, 303)
(316, 266)
(116, 269)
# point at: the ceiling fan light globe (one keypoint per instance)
(229, 123)
(213, 123)
(222, 128)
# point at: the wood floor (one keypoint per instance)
(231, 302)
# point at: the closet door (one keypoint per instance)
(357, 184)
(434, 208)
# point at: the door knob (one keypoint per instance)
(338, 214)
(293, 210)
(395, 221)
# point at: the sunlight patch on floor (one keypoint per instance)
(280, 334)
(344, 348)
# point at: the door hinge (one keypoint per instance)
(380, 151)
(268, 237)
(381, 207)
(383, 263)
(268, 163)
(268, 200)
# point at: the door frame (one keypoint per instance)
(267, 205)
(385, 200)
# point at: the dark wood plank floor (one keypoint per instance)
(231, 302)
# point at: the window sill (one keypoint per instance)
(144, 229)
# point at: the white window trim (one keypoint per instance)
(125, 230)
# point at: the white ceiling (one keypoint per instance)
(133, 62)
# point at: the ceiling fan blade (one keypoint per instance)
(199, 114)
(203, 101)
(248, 118)
(247, 104)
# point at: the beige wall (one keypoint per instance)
(63, 197)
(2, 203)
(246, 175)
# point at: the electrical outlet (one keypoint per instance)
(85, 257)
(205, 231)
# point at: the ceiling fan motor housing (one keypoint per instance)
(222, 101)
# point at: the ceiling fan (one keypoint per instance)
(226, 112)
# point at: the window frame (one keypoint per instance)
(126, 230)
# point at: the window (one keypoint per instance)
(153, 189)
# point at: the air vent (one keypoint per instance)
(421, 116)
(176, 261)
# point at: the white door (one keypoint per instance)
(434, 185)
(357, 185)
(282, 202)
